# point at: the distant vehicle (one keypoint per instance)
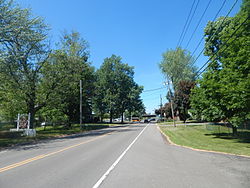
(153, 119)
(135, 119)
(146, 121)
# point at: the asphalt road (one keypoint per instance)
(127, 156)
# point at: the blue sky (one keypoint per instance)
(137, 30)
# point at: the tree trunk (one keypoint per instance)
(111, 116)
(31, 98)
(122, 118)
(32, 118)
(32, 111)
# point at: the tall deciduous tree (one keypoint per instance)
(116, 90)
(23, 51)
(178, 65)
(226, 83)
(63, 72)
(134, 104)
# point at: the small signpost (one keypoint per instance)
(23, 124)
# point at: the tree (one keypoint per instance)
(226, 83)
(205, 101)
(134, 105)
(63, 72)
(116, 90)
(23, 51)
(100, 105)
(178, 65)
(165, 110)
(181, 98)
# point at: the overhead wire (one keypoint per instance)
(149, 90)
(217, 30)
(185, 23)
(203, 14)
(215, 54)
(196, 6)
(152, 95)
(215, 17)
(184, 30)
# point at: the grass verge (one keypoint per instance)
(12, 138)
(200, 137)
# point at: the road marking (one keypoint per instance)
(195, 149)
(104, 176)
(49, 154)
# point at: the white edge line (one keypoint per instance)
(104, 176)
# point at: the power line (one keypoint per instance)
(184, 28)
(198, 74)
(198, 23)
(189, 22)
(217, 30)
(153, 89)
(222, 5)
(152, 93)
(186, 23)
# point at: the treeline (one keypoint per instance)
(44, 82)
(221, 91)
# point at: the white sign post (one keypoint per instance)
(18, 122)
(28, 126)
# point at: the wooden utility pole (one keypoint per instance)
(171, 101)
(80, 102)
(161, 107)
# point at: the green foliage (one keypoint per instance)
(61, 76)
(115, 89)
(223, 92)
(23, 51)
(181, 98)
(178, 65)
(166, 110)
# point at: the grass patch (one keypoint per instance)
(11, 138)
(170, 122)
(215, 139)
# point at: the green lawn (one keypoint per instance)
(170, 122)
(11, 138)
(209, 138)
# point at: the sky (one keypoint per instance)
(137, 30)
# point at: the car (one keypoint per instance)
(146, 121)
(153, 119)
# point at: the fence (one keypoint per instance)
(226, 128)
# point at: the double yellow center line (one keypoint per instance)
(49, 154)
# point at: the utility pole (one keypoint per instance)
(171, 102)
(80, 102)
(161, 107)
